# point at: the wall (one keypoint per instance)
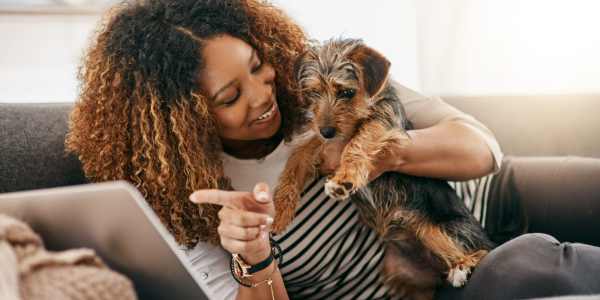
(39, 54)
(509, 47)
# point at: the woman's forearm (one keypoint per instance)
(437, 152)
(264, 291)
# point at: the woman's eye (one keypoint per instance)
(232, 100)
(257, 66)
(346, 94)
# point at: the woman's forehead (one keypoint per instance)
(225, 57)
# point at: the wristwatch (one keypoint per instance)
(246, 270)
(241, 269)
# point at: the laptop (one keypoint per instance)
(113, 219)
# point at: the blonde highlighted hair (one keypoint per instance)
(140, 115)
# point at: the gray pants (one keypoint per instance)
(532, 265)
(559, 196)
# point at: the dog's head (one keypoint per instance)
(340, 80)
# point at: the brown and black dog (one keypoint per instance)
(429, 233)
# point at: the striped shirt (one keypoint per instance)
(328, 253)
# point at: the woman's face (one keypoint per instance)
(241, 90)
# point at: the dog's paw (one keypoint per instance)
(458, 275)
(338, 191)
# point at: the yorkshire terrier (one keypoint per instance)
(429, 233)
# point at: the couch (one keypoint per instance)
(533, 131)
(32, 152)
(32, 134)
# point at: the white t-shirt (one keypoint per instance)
(328, 253)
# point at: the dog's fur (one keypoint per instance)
(429, 232)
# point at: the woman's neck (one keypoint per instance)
(255, 149)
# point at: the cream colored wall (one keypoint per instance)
(389, 26)
(39, 54)
(509, 47)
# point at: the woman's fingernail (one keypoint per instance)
(261, 192)
(262, 227)
(263, 234)
(269, 220)
(193, 197)
(262, 197)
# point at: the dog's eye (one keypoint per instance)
(346, 94)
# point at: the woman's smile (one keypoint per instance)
(267, 118)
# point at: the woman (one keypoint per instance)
(197, 96)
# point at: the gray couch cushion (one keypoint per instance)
(32, 151)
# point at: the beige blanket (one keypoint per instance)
(28, 271)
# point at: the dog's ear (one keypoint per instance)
(308, 53)
(374, 67)
(296, 69)
(298, 64)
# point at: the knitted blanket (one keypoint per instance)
(29, 272)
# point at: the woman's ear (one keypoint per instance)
(374, 67)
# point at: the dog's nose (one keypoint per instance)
(328, 132)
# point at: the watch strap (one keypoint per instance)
(261, 265)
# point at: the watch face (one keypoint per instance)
(240, 267)
(238, 270)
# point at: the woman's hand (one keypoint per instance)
(245, 220)
(387, 160)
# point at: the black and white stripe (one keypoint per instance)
(328, 253)
(475, 194)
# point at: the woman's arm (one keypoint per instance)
(446, 143)
(451, 150)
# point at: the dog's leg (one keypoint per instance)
(407, 270)
(459, 263)
(358, 157)
(298, 169)
(457, 276)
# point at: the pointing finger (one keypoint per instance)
(230, 199)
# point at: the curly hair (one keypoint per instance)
(141, 116)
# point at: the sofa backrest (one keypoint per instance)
(32, 135)
(32, 151)
(548, 125)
